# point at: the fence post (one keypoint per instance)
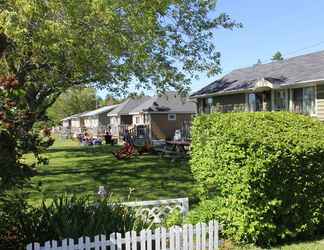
(87, 243)
(185, 237)
(157, 237)
(198, 236)
(172, 238)
(191, 243)
(81, 243)
(128, 241)
(134, 240)
(47, 245)
(36, 246)
(216, 231)
(149, 239)
(112, 240)
(143, 239)
(103, 242)
(64, 244)
(119, 242)
(163, 239)
(203, 236)
(210, 235)
(177, 238)
(97, 242)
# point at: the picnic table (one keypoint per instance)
(179, 146)
(176, 149)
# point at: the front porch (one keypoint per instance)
(305, 99)
(299, 100)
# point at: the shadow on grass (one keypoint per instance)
(83, 169)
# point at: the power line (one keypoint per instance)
(309, 47)
(285, 55)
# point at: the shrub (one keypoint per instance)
(261, 174)
(173, 219)
(64, 217)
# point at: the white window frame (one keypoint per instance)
(172, 117)
(137, 119)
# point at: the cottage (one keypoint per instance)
(163, 115)
(120, 119)
(295, 84)
(97, 121)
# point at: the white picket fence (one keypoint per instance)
(188, 237)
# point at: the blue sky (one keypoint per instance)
(290, 26)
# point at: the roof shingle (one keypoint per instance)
(287, 72)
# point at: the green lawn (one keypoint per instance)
(81, 169)
(75, 169)
(313, 245)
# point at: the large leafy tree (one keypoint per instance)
(73, 101)
(49, 46)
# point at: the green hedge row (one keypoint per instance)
(261, 174)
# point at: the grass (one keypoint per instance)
(312, 245)
(82, 169)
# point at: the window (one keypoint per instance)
(309, 100)
(252, 102)
(137, 119)
(304, 100)
(280, 100)
(297, 100)
(172, 117)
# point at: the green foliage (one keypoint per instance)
(262, 174)
(64, 217)
(51, 46)
(173, 219)
(73, 101)
(109, 100)
(54, 44)
(19, 134)
(277, 56)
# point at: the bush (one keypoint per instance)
(64, 217)
(173, 219)
(261, 174)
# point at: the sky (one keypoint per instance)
(293, 27)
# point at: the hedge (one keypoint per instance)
(261, 174)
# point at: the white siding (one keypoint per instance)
(320, 102)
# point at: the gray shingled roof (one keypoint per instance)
(99, 110)
(73, 116)
(125, 107)
(287, 72)
(170, 102)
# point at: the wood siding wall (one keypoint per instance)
(320, 102)
(162, 128)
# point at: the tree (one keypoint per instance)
(259, 62)
(277, 56)
(110, 100)
(50, 46)
(73, 101)
(16, 137)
